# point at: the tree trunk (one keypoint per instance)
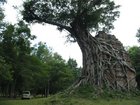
(101, 62)
(48, 89)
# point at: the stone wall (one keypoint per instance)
(119, 70)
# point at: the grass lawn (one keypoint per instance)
(59, 100)
(39, 101)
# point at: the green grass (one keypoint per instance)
(71, 100)
(39, 101)
(84, 95)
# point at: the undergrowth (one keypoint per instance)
(87, 95)
(90, 92)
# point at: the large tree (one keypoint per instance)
(79, 18)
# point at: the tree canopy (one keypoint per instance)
(90, 14)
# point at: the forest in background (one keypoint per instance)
(36, 68)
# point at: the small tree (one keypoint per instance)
(79, 18)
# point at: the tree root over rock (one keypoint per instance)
(105, 64)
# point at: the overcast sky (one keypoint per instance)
(125, 29)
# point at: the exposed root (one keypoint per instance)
(105, 66)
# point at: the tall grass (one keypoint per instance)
(61, 100)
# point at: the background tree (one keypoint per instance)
(134, 53)
(5, 73)
(23, 67)
(79, 18)
(56, 74)
(15, 44)
(74, 67)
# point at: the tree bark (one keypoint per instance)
(100, 63)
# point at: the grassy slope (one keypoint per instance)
(61, 100)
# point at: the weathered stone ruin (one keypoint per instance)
(118, 72)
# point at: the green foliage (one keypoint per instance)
(134, 53)
(94, 93)
(59, 99)
(15, 48)
(56, 74)
(5, 74)
(42, 52)
(73, 66)
(26, 68)
(17, 37)
(91, 15)
(23, 67)
(85, 91)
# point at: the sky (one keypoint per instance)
(125, 30)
